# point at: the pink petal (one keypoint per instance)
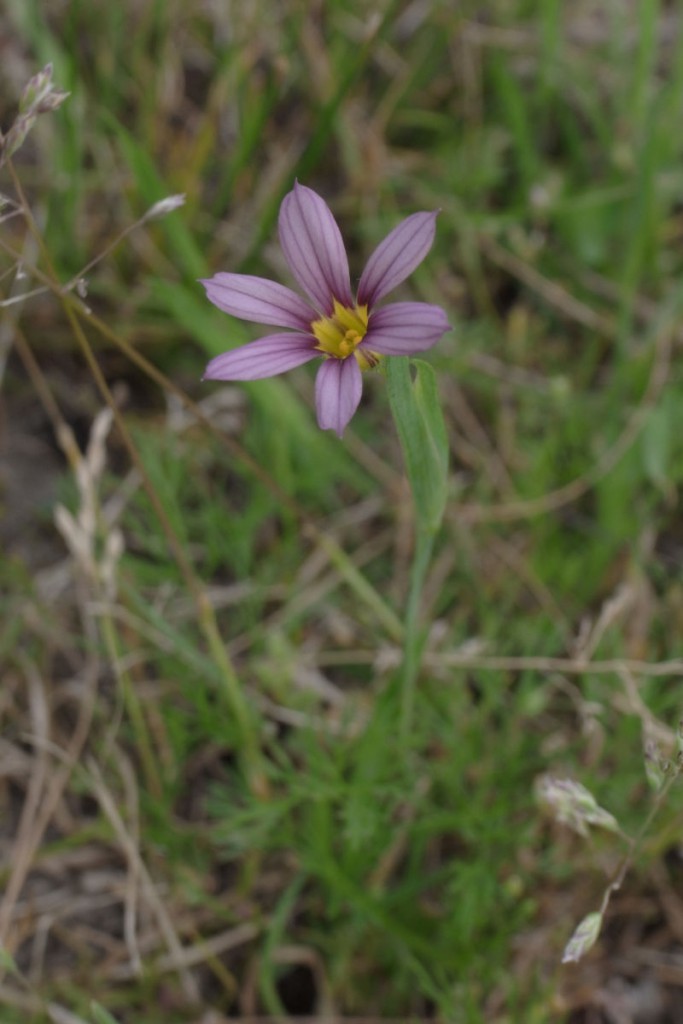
(338, 388)
(260, 300)
(396, 257)
(313, 248)
(404, 328)
(266, 357)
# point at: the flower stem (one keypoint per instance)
(412, 637)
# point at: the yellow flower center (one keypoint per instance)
(340, 335)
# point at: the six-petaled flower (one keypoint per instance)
(349, 334)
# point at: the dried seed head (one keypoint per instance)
(39, 95)
(164, 206)
(572, 804)
(583, 939)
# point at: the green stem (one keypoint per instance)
(363, 589)
(234, 694)
(133, 706)
(412, 638)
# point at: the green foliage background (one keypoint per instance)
(340, 867)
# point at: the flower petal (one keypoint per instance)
(260, 300)
(396, 257)
(266, 357)
(313, 247)
(338, 388)
(404, 328)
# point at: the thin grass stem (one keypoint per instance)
(412, 636)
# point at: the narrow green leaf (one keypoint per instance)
(7, 962)
(100, 1015)
(656, 446)
(417, 411)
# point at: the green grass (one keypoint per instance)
(339, 867)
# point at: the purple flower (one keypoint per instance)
(349, 334)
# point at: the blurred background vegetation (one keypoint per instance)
(159, 855)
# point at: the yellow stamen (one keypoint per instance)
(340, 335)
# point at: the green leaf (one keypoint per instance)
(100, 1015)
(417, 411)
(7, 962)
(656, 446)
